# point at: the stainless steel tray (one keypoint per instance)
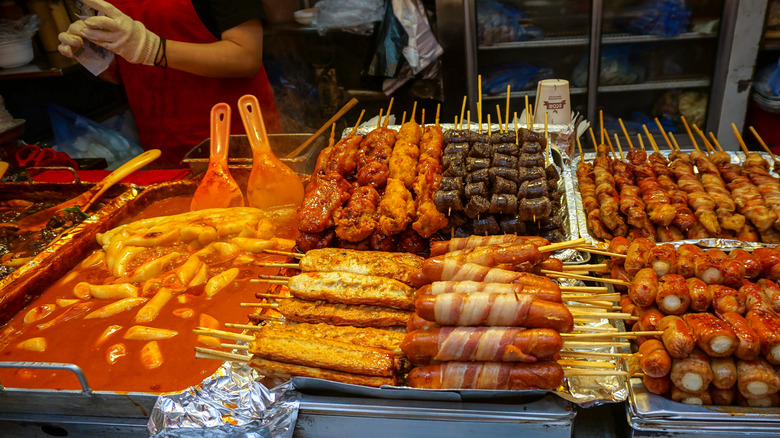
(709, 242)
(653, 415)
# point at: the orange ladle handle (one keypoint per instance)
(220, 132)
(252, 117)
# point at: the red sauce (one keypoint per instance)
(77, 341)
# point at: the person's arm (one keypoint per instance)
(238, 54)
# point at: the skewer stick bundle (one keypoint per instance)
(586, 364)
(562, 245)
(222, 334)
(557, 274)
(594, 354)
(208, 353)
(600, 252)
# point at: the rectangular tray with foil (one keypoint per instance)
(17, 401)
(723, 243)
(22, 285)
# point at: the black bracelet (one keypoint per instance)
(163, 62)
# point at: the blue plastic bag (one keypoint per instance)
(768, 80)
(80, 137)
(667, 18)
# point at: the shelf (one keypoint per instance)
(656, 85)
(530, 93)
(48, 65)
(606, 39)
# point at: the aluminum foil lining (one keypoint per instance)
(561, 140)
(709, 242)
(230, 403)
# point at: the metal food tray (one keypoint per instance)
(240, 153)
(709, 242)
(103, 407)
(653, 415)
(560, 138)
(28, 281)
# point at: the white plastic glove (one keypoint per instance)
(70, 41)
(119, 33)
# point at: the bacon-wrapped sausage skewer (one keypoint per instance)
(488, 375)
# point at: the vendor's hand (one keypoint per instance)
(120, 34)
(70, 41)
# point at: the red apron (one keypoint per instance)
(171, 107)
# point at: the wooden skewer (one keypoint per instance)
(610, 297)
(690, 134)
(739, 138)
(403, 118)
(274, 296)
(462, 112)
(609, 144)
(593, 304)
(479, 101)
(285, 253)
(572, 372)
(517, 140)
(674, 142)
(208, 353)
(579, 146)
(601, 125)
(531, 112)
(414, 110)
(717, 143)
(611, 335)
(456, 122)
(586, 364)
(603, 315)
(268, 318)
(438, 108)
(625, 132)
(379, 122)
(620, 149)
(262, 305)
(332, 138)
(652, 140)
(527, 114)
(594, 354)
(595, 329)
(562, 245)
(547, 140)
(222, 334)
(274, 277)
(468, 120)
(490, 128)
(593, 138)
(663, 134)
(235, 347)
(641, 143)
(601, 252)
(280, 265)
(589, 289)
(268, 281)
(500, 123)
(387, 116)
(594, 344)
(243, 326)
(596, 267)
(557, 274)
(761, 142)
(703, 138)
(506, 128)
(354, 128)
(422, 120)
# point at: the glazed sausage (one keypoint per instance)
(726, 299)
(515, 254)
(708, 270)
(492, 309)
(723, 397)
(487, 375)
(619, 245)
(772, 291)
(756, 378)
(649, 318)
(439, 287)
(662, 259)
(654, 360)
(434, 269)
(755, 298)
(644, 287)
(678, 338)
(701, 399)
(673, 297)
(767, 327)
(733, 272)
(751, 263)
(692, 374)
(618, 273)
(686, 255)
(657, 385)
(724, 372)
(749, 345)
(627, 306)
(713, 335)
(635, 255)
(770, 262)
(458, 243)
(700, 294)
(467, 344)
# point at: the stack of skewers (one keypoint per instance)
(683, 196)
(716, 315)
(478, 307)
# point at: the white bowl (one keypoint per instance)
(306, 16)
(16, 53)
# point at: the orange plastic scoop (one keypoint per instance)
(218, 189)
(271, 182)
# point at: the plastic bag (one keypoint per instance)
(391, 40)
(21, 29)
(667, 18)
(421, 49)
(500, 23)
(768, 80)
(520, 76)
(81, 137)
(618, 66)
(354, 16)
